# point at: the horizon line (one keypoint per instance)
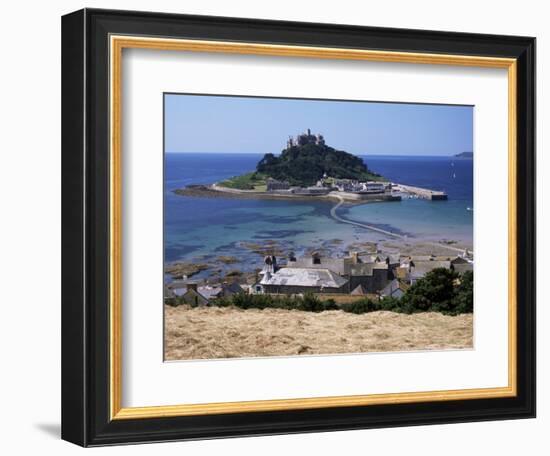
(360, 154)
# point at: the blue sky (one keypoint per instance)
(197, 123)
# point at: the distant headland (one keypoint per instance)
(464, 155)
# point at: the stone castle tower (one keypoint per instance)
(306, 138)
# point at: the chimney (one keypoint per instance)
(354, 257)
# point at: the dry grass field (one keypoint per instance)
(216, 332)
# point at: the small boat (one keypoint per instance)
(454, 175)
(471, 209)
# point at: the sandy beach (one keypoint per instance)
(212, 332)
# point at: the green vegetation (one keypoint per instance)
(249, 181)
(441, 290)
(305, 165)
(176, 301)
(309, 302)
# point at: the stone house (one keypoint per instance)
(293, 280)
(394, 289)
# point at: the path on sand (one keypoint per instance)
(380, 230)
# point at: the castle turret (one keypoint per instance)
(306, 138)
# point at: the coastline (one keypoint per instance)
(339, 198)
(248, 224)
(216, 191)
(247, 258)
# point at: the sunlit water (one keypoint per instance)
(204, 228)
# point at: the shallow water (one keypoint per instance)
(204, 228)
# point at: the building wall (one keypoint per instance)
(194, 299)
(290, 289)
(336, 265)
(372, 284)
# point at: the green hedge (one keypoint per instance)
(309, 302)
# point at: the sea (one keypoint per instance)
(200, 229)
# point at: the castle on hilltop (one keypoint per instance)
(306, 138)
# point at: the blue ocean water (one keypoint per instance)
(203, 228)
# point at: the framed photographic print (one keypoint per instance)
(274, 227)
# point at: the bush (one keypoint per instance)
(330, 304)
(309, 302)
(390, 303)
(463, 301)
(435, 291)
(441, 290)
(360, 307)
(175, 301)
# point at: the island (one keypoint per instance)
(464, 155)
(307, 160)
(307, 168)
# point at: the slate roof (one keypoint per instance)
(358, 291)
(210, 292)
(194, 297)
(392, 287)
(232, 288)
(305, 277)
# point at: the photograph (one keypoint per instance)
(300, 227)
(271, 225)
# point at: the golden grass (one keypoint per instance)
(215, 332)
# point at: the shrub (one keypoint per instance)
(170, 302)
(434, 292)
(463, 301)
(330, 304)
(310, 303)
(360, 307)
(390, 303)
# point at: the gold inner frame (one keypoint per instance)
(117, 44)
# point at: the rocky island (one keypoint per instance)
(306, 168)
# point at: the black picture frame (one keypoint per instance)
(85, 225)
